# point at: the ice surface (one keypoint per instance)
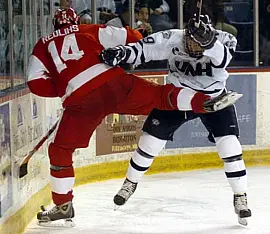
(194, 202)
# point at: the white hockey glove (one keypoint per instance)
(222, 101)
(115, 56)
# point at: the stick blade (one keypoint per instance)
(23, 166)
(23, 170)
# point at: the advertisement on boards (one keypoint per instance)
(27, 128)
(5, 160)
(121, 133)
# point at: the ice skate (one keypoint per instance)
(59, 216)
(128, 188)
(241, 208)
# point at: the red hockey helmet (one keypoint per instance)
(65, 16)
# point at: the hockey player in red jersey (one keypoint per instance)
(66, 64)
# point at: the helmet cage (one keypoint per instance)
(192, 48)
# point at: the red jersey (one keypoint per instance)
(65, 63)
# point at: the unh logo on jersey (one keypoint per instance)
(200, 69)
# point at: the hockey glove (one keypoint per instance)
(222, 101)
(114, 56)
(205, 34)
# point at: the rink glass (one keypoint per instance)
(22, 22)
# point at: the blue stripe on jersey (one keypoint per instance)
(202, 91)
(142, 55)
(224, 61)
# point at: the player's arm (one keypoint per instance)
(152, 48)
(39, 80)
(218, 45)
(109, 36)
(133, 35)
(223, 50)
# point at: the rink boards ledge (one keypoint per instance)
(117, 169)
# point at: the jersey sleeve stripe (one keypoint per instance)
(112, 36)
(36, 69)
(142, 53)
(224, 61)
(135, 50)
(232, 52)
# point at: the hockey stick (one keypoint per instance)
(23, 166)
(198, 13)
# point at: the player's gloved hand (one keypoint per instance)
(222, 101)
(202, 103)
(205, 34)
(114, 56)
(197, 102)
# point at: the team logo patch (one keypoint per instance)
(167, 34)
(176, 51)
(155, 122)
(231, 44)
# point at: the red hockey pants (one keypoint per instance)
(127, 94)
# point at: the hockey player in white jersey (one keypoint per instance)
(197, 59)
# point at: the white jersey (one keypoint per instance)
(207, 74)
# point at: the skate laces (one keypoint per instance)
(127, 189)
(51, 211)
(241, 201)
(129, 186)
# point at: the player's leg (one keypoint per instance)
(157, 130)
(74, 131)
(224, 128)
(145, 96)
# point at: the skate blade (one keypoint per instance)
(227, 100)
(242, 221)
(116, 207)
(69, 223)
